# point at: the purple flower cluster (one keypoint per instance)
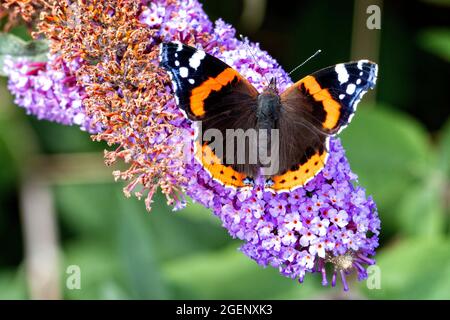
(47, 90)
(329, 221)
(178, 20)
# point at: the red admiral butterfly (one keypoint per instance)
(306, 114)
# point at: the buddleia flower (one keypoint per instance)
(129, 100)
(47, 90)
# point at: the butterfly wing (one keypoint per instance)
(210, 91)
(313, 109)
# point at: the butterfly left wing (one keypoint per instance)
(314, 108)
(204, 86)
(210, 91)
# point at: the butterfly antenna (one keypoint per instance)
(301, 64)
(253, 56)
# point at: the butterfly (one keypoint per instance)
(304, 116)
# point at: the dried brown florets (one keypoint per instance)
(18, 11)
(125, 88)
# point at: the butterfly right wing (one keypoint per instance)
(315, 108)
(210, 91)
(332, 93)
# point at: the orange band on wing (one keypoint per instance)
(201, 93)
(300, 176)
(332, 107)
(225, 174)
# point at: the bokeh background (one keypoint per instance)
(60, 207)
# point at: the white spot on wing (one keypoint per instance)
(342, 73)
(374, 74)
(195, 60)
(351, 88)
(160, 58)
(184, 72)
(180, 46)
(358, 81)
(360, 64)
(177, 63)
(174, 84)
(191, 81)
(341, 96)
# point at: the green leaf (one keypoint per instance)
(444, 164)
(17, 143)
(137, 249)
(192, 230)
(389, 152)
(88, 210)
(99, 268)
(436, 41)
(421, 212)
(414, 269)
(444, 149)
(14, 47)
(56, 138)
(111, 290)
(13, 285)
(229, 274)
(15, 133)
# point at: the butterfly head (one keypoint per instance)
(272, 87)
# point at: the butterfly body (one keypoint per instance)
(291, 129)
(269, 107)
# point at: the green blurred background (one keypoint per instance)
(55, 190)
